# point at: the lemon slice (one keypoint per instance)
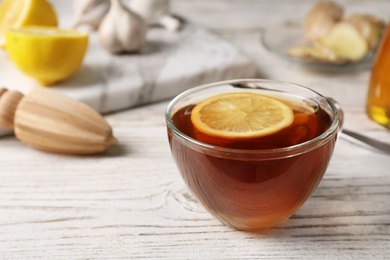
(241, 115)
(18, 13)
(48, 54)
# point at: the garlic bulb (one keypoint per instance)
(155, 12)
(122, 30)
(89, 12)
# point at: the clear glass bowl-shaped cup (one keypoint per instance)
(254, 189)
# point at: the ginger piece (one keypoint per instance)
(369, 26)
(313, 53)
(310, 53)
(321, 19)
(346, 42)
(333, 38)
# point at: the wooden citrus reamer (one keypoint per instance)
(49, 121)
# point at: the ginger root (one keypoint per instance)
(346, 42)
(321, 18)
(313, 53)
(370, 27)
(331, 37)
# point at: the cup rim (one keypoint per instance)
(274, 153)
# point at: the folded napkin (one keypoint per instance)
(170, 63)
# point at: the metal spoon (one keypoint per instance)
(381, 146)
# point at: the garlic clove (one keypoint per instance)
(155, 12)
(122, 30)
(89, 12)
(150, 10)
(170, 23)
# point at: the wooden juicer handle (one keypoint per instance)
(49, 121)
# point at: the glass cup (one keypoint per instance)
(254, 189)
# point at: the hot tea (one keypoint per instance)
(308, 123)
(254, 183)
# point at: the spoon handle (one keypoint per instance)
(381, 146)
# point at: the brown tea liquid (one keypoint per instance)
(307, 125)
(254, 194)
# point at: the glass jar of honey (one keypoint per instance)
(378, 98)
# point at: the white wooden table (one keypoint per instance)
(131, 203)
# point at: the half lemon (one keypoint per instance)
(19, 13)
(48, 54)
